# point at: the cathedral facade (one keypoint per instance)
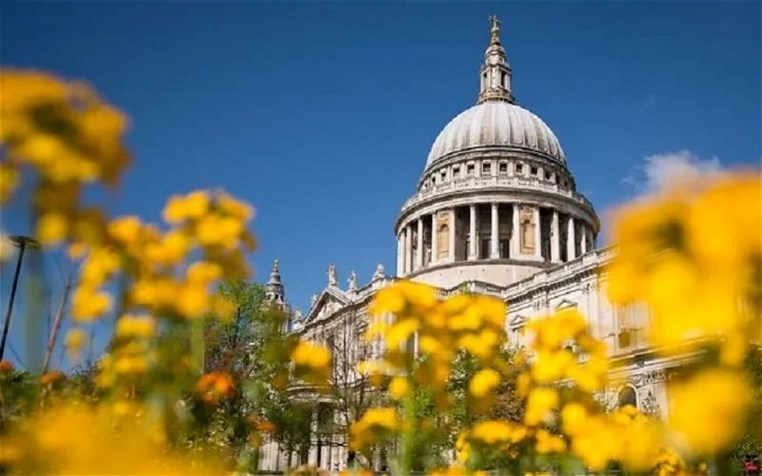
(496, 212)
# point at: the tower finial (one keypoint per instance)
(275, 273)
(495, 73)
(495, 29)
(275, 292)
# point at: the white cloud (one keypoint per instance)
(668, 170)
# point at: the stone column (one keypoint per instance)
(515, 232)
(472, 233)
(555, 239)
(583, 231)
(494, 251)
(400, 253)
(312, 457)
(570, 248)
(419, 244)
(537, 233)
(408, 250)
(434, 236)
(452, 235)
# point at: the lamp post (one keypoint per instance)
(21, 242)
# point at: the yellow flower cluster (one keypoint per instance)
(704, 420)
(625, 435)
(374, 425)
(407, 312)
(312, 362)
(76, 439)
(154, 269)
(555, 358)
(66, 135)
(694, 257)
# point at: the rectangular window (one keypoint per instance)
(470, 169)
(533, 171)
(504, 247)
(547, 175)
(484, 250)
(503, 167)
(519, 168)
(455, 172)
(486, 167)
(444, 175)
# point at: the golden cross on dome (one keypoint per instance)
(495, 28)
(495, 22)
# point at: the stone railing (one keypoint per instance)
(592, 258)
(471, 183)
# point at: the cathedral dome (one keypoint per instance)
(496, 123)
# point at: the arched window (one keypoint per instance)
(627, 396)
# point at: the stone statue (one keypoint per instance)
(313, 300)
(332, 280)
(379, 273)
(352, 281)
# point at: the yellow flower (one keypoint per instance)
(540, 404)
(400, 332)
(129, 326)
(75, 340)
(573, 416)
(399, 388)
(374, 424)
(483, 382)
(308, 354)
(717, 243)
(204, 272)
(706, 412)
(552, 366)
(235, 208)
(193, 300)
(547, 443)
(125, 229)
(170, 249)
(88, 304)
(394, 298)
(51, 229)
(491, 432)
(100, 265)
(9, 180)
(192, 206)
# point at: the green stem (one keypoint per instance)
(197, 346)
(408, 432)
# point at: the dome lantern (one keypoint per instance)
(495, 73)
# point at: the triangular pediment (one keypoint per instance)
(566, 304)
(518, 321)
(328, 302)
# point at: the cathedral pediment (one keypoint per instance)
(565, 304)
(329, 301)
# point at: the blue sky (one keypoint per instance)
(321, 115)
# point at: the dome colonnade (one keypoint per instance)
(496, 201)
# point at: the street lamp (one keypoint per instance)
(21, 242)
